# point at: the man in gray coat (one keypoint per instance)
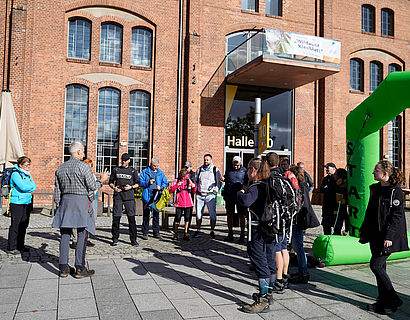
(74, 182)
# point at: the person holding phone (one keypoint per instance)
(384, 227)
(123, 180)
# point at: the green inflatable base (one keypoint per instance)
(336, 250)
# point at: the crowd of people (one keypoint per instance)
(256, 196)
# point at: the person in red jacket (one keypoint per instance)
(184, 187)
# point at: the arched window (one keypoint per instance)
(393, 67)
(274, 7)
(368, 20)
(76, 116)
(376, 75)
(138, 129)
(394, 140)
(141, 47)
(109, 101)
(111, 43)
(250, 5)
(79, 39)
(387, 17)
(356, 74)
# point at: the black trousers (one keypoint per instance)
(20, 217)
(262, 254)
(145, 219)
(129, 206)
(187, 214)
(387, 295)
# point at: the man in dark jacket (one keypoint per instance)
(235, 178)
(328, 188)
(124, 180)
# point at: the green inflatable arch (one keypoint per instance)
(390, 98)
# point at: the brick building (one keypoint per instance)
(107, 73)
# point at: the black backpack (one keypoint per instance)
(281, 206)
(5, 181)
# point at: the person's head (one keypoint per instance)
(298, 172)
(76, 150)
(340, 176)
(154, 164)
(125, 160)
(385, 172)
(257, 170)
(182, 173)
(330, 168)
(207, 160)
(89, 162)
(24, 163)
(188, 165)
(284, 163)
(236, 162)
(301, 165)
(272, 159)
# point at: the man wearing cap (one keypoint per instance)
(235, 179)
(328, 188)
(123, 181)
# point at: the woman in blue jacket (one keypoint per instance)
(21, 204)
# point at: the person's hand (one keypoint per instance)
(104, 176)
(158, 188)
(127, 187)
(116, 189)
(151, 181)
(388, 243)
(222, 179)
(191, 184)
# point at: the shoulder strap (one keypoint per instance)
(214, 169)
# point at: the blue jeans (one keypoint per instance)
(297, 244)
(210, 201)
(262, 254)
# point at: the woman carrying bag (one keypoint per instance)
(384, 227)
(21, 205)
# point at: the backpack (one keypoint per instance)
(5, 181)
(281, 206)
(200, 171)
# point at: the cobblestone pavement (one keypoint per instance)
(166, 279)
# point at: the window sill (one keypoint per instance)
(368, 33)
(250, 12)
(141, 68)
(387, 36)
(273, 16)
(110, 64)
(78, 60)
(356, 91)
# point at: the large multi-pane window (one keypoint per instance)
(138, 129)
(141, 47)
(394, 67)
(368, 20)
(111, 43)
(376, 75)
(387, 22)
(356, 74)
(109, 101)
(79, 39)
(76, 116)
(274, 7)
(250, 5)
(395, 141)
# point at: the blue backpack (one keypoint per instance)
(5, 181)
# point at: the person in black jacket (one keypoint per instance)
(261, 248)
(328, 188)
(384, 227)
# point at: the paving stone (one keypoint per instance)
(142, 286)
(123, 311)
(161, 315)
(32, 302)
(13, 281)
(10, 295)
(41, 286)
(178, 291)
(7, 311)
(43, 271)
(40, 315)
(76, 291)
(151, 302)
(75, 309)
(351, 313)
(304, 308)
(113, 296)
(233, 312)
(282, 314)
(108, 281)
(194, 308)
(217, 297)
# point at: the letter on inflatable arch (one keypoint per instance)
(390, 98)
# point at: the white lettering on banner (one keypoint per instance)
(244, 141)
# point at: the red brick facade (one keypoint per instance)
(40, 71)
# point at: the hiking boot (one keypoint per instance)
(157, 235)
(260, 305)
(73, 244)
(229, 238)
(135, 244)
(83, 272)
(187, 236)
(66, 271)
(299, 278)
(14, 252)
(269, 296)
(175, 236)
(375, 307)
(114, 243)
(278, 287)
(197, 234)
(212, 234)
(145, 236)
(24, 249)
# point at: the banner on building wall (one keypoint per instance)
(278, 41)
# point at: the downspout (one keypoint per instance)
(9, 50)
(179, 83)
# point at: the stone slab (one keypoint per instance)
(113, 296)
(76, 291)
(151, 302)
(124, 311)
(40, 315)
(31, 302)
(75, 309)
(161, 315)
(194, 308)
(142, 286)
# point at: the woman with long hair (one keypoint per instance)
(384, 227)
(261, 248)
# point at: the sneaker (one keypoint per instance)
(157, 235)
(375, 307)
(114, 243)
(14, 252)
(135, 244)
(83, 272)
(278, 287)
(197, 234)
(73, 245)
(260, 305)
(285, 281)
(299, 278)
(212, 234)
(229, 238)
(145, 236)
(24, 249)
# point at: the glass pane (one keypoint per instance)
(111, 43)
(79, 39)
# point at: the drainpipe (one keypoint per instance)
(179, 82)
(258, 112)
(9, 50)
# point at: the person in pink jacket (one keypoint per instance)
(183, 186)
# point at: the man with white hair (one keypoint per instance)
(153, 180)
(74, 181)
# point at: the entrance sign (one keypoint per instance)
(327, 50)
(263, 134)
